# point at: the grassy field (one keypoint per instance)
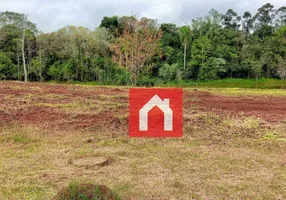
(222, 83)
(235, 83)
(45, 129)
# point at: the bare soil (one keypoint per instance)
(272, 109)
(32, 103)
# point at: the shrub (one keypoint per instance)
(7, 68)
(169, 72)
(146, 81)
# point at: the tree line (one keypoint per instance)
(139, 51)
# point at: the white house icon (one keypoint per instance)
(164, 105)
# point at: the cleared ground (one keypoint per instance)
(234, 144)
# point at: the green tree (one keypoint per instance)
(231, 20)
(170, 43)
(281, 17)
(264, 21)
(111, 24)
(256, 68)
(21, 22)
(247, 24)
(265, 15)
(212, 69)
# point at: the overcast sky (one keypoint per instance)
(50, 15)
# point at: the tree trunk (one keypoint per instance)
(23, 50)
(41, 66)
(23, 56)
(18, 60)
(185, 51)
(76, 73)
(202, 58)
(135, 78)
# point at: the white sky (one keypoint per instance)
(50, 15)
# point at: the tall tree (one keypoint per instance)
(170, 43)
(265, 15)
(247, 24)
(281, 17)
(21, 22)
(185, 37)
(231, 19)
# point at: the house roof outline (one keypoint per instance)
(163, 105)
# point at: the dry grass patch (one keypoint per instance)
(186, 168)
(18, 134)
(83, 106)
(209, 126)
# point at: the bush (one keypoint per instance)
(104, 71)
(146, 81)
(169, 72)
(211, 69)
(7, 68)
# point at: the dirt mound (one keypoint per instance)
(85, 192)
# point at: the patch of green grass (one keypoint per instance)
(272, 136)
(22, 139)
(18, 134)
(77, 191)
(249, 92)
(94, 83)
(232, 83)
(84, 152)
(262, 83)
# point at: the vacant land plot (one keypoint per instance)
(234, 144)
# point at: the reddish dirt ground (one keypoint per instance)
(271, 109)
(14, 107)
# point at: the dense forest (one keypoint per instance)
(133, 50)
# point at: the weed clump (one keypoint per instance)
(76, 191)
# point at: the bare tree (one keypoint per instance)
(137, 44)
(24, 28)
